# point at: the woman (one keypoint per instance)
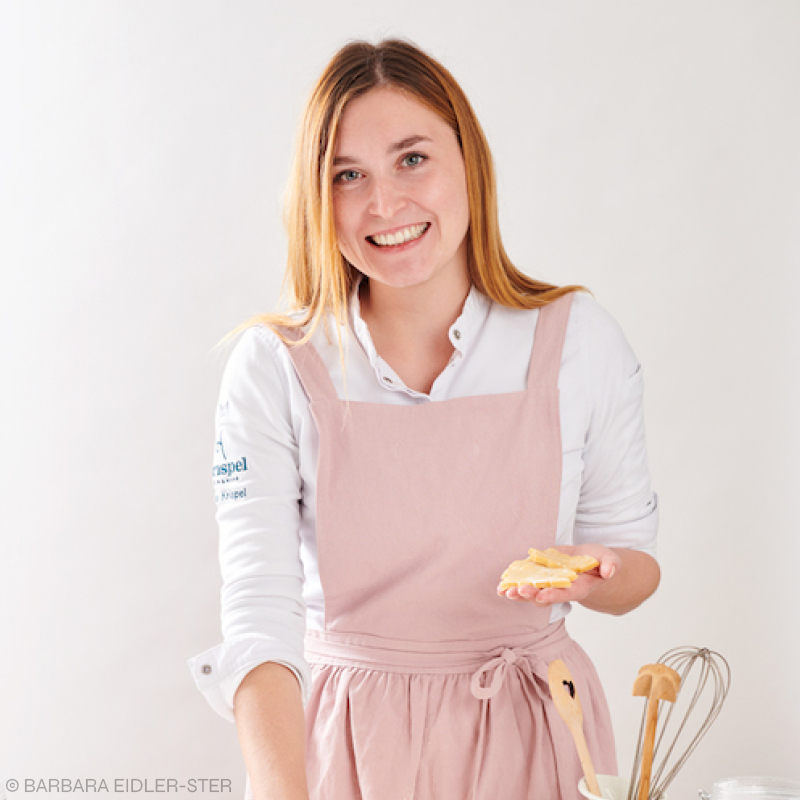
(425, 415)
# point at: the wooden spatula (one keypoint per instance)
(565, 697)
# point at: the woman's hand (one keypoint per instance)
(623, 580)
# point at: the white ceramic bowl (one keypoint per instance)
(613, 787)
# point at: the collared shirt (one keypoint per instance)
(267, 448)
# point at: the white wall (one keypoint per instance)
(645, 149)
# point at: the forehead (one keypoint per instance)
(384, 116)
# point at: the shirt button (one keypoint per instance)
(387, 379)
(206, 669)
(456, 334)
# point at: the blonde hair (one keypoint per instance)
(318, 278)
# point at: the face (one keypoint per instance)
(400, 192)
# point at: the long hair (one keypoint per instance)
(319, 279)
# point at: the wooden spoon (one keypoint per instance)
(565, 697)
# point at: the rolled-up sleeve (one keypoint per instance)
(219, 671)
(257, 489)
(617, 506)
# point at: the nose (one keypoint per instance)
(386, 197)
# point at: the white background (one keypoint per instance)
(648, 150)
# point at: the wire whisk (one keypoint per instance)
(708, 672)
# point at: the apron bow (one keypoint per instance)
(497, 666)
(532, 667)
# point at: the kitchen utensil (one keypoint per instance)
(565, 698)
(658, 683)
(704, 682)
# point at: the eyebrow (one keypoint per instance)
(409, 141)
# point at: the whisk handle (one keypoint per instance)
(648, 747)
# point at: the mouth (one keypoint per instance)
(399, 237)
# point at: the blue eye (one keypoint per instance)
(347, 176)
(413, 159)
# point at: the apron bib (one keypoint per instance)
(427, 684)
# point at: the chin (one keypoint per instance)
(399, 281)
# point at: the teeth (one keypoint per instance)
(400, 237)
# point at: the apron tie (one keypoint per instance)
(525, 662)
(532, 667)
(497, 666)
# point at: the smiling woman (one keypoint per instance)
(462, 414)
(400, 206)
(319, 276)
(402, 214)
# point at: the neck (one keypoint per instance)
(416, 313)
(410, 327)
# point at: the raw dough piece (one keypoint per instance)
(521, 572)
(553, 558)
(550, 569)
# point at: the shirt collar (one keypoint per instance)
(463, 332)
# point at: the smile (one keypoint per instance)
(399, 237)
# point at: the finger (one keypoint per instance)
(523, 592)
(547, 597)
(608, 566)
(528, 592)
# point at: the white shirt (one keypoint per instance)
(267, 448)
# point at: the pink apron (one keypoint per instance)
(427, 685)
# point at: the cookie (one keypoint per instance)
(553, 558)
(526, 571)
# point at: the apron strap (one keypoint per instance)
(548, 343)
(310, 368)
